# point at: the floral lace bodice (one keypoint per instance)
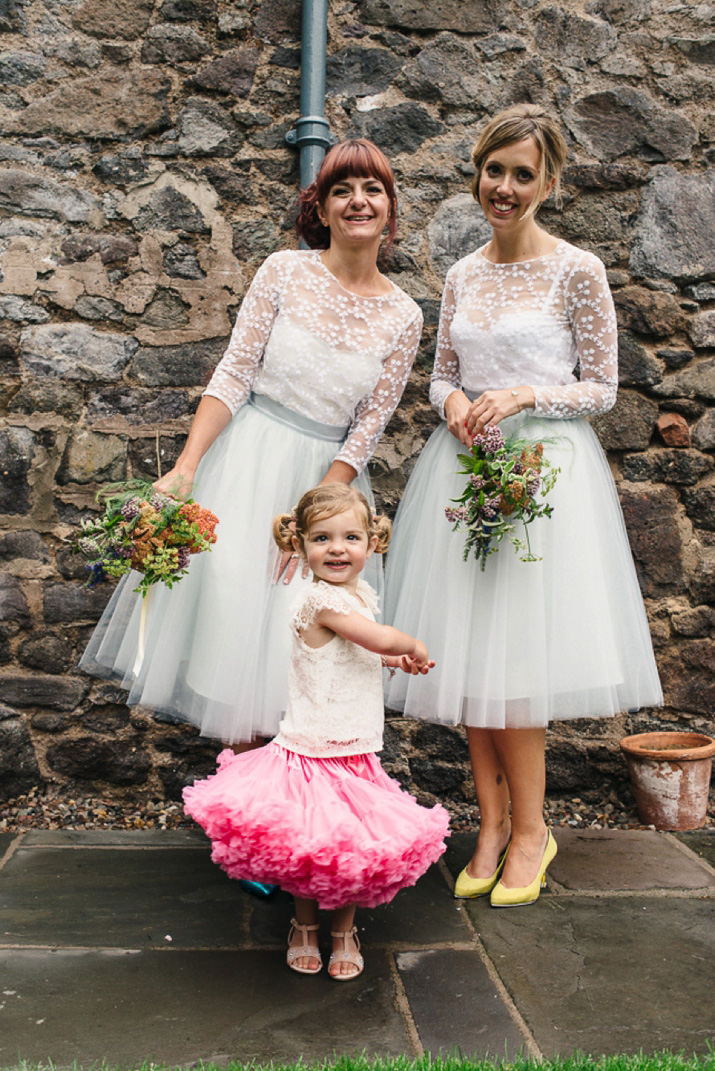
(305, 341)
(335, 701)
(504, 325)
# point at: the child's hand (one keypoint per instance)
(421, 657)
(418, 662)
(407, 663)
(418, 666)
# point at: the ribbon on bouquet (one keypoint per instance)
(144, 616)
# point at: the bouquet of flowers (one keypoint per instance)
(141, 528)
(505, 476)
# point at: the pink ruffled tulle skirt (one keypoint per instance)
(335, 830)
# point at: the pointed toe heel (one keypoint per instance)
(466, 888)
(501, 896)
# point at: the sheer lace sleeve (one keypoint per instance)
(589, 307)
(320, 596)
(446, 375)
(374, 411)
(234, 374)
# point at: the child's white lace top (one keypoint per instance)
(505, 325)
(335, 700)
(305, 341)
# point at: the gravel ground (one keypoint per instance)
(37, 811)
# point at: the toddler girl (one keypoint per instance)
(314, 811)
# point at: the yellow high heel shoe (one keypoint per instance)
(466, 888)
(527, 894)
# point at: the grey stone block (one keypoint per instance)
(676, 220)
(128, 1006)
(607, 975)
(456, 1006)
(626, 860)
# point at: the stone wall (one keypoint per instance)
(144, 175)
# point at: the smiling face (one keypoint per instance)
(510, 184)
(337, 548)
(356, 209)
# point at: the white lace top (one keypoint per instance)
(504, 325)
(308, 343)
(335, 701)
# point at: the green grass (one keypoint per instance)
(662, 1061)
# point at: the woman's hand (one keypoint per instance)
(210, 419)
(491, 407)
(286, 566)
(177, 482)
(456, 408)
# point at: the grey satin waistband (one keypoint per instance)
(472, 394)
(283, 415)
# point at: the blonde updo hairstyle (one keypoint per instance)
(518, 123)
(327, 501)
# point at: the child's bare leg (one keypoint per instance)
(342, 923)
(306, 914)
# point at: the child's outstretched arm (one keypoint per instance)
(411, 654)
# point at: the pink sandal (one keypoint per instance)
(344, 955)
(306, 949)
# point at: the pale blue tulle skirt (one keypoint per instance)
(217, 644)
(522, 643)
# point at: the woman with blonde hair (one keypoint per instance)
(518, 645)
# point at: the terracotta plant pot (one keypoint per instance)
(670, 777)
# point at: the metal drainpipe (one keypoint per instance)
(312, 131)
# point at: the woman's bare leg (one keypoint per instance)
(521, 753)
(490, 781)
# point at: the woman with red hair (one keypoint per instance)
(316, 364)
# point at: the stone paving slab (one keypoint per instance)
(130, 898)
(115, 838)
(456, 1006)
(179, 1007)
(701, 841)
(6, 840)
(606, 860)
(607, 974)
(423, 915)
(610, 972)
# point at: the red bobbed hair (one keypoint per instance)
(357, 158)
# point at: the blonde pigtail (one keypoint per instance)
(284, 530)
(382, 528)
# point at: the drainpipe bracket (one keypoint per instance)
(311, 130)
